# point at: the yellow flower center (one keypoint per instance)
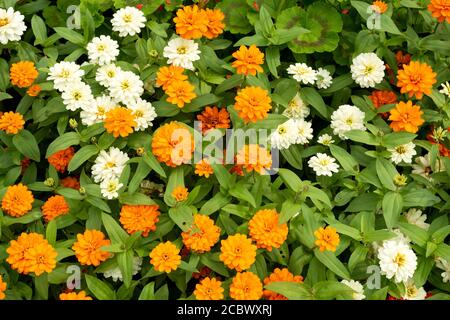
(411, 291)
(181, 50)
(111, 74)
(64, 74)
(349, 121)
(4, 22)
(127, 18)
(368, 70)
(125, 85)
(400, 259)
(400, 149)
(112, 187)
(281, 130)
(77, 95)
(110, 164)
(324, 162)
(101, 47)
(138, 113)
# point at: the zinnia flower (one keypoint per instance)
(74, 296)
(191, 22)
(254, 158)
(416, 78)
(440, 9)
(213, 118)
(276, 276)
(215, 23)
(166, 75)
(180, 193)
(54, 207)
(88, 248)
(17, 200)
(248, 60)
(60, 160)
(406, 117)
(12, 25)
(180, 93)
(203, 234)
(173, 144)
(265, 229)
(41, 258)
(237, 252)
(397, 260)
(252, 104)
(379, 6)
(246, 286)
(323, 164)
(367, 70)
(23, 74)
(209, 289)
(70, 182)
(381, 97)
(11, 122)
(327, 238)
(136, 218)
(128, 21)
(102, 50)
(120, 122)
(2, 288)
(165, 257)
(34, 90)
(182, 52)
(203, 168)
(356, 286)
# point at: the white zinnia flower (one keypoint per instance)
(102, 50)
(443, 265)
(302, 73)
(445, 89)
(126, 87)
(423, 166)
(128, 21)
(64, 74)
(356, 286)
(325, 139)
(144, 114)
(397, 260)
(182, 52)
(297, 108)
(324, 79)
(347, 118)
(367, 70)
(415, 216)
(304, 131)
(116, 274)
(109, 164)
(96, 112)
(404, 153)
(78, 95)
(323, 165)
(284, 135)
(110, 188)
(11, 25)
(106, 74)
(413, 293)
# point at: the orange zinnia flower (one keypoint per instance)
(203, 234)
(41, 258)
(253, 103)
(11, 122)
(266, 231)
(380, 6)
(406, 117)
(2, 288)
(215, 23)
(173, 144)
(280, 275)
(74, 296)
(136, 218)
(165, 257)
(60, 160)
(191, 22)
(380, 98)
(246, 286)
(248, 60)
(416, 78)
(23, 74)
(180, 93)
(237, 252)
(88, 248)
(54, 207)
(212, 118)
(180, 193)
(254, 158)
(70, 182)
(17, 200)
(34, 90)
(203, 168)
(120, 122)
(440, 9)
(209, 289)
(166, 75)
(327, 238)
(402, 58)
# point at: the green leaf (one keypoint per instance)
(200, 102)
(395, 139)
(29, 217)
(273, 59)
(386, 173)
(148, 292)
(345, 159)
(266, 21)
(392, 207)
(439, 235)
(232, 82)
(98, 203)
(115, 232)
(182, 216)
(241, 192)
(317, 194)
(378, 235)
(419, 198)
(41, 285)
(288, 210)
(388, 25)
(327, 290)
(50, 232)
(362, 136)
(26, 143)
(39, 29)
(222, 175)
(70, 35)
(417, 235)
(347, 230)
(291, 180)
(331, 262)
(63, 142)
(291, 290)
(81, 156)
(150, 159)
(443, 250)
(312, 97)
(136, 199)
(218, 201)
(99, 289)
(125, 262)
(143, 169)
(358, 255)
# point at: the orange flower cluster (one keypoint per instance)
(203, 234)
(213, 118)
(2, 288)
(180, 193)
(175, 84)
(203, 168)
(166, 75)
(120, 121)
(165, 257)
(380, 6)
(34, 90)
(209, 289)
(416, 78)
(193, 22)
(253, 157)
(252, 104)
(11, 122)
(88, 248)
(23, 74)
(248, 60)
(17, 201)
(406, 117)
(440, 9)
(70, 182)
(246, 286)
(237, 252)
(74, 296)
(266, 231)
(54, 207)
(31, 253)
(327, 238)
(60, 160)
(380, 98)
(173, 144)
(280, 275)
(136, 218)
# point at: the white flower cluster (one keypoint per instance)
(445, 266)
(116, 274)
(347, 118)
(182, 53)
(107, 170)
(367, 70)
(404, 153)
(12, 25)
(307, 75)
(128, 21)
(415, 217)
(357, 287)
